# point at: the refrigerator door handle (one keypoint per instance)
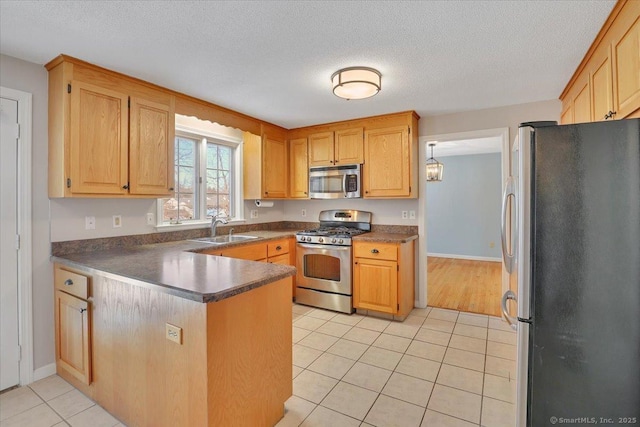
(507, 257)
(505, 311)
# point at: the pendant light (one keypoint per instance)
(356, 82)
(434, 167)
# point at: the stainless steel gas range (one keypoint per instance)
(324, 259)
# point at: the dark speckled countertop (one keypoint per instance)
(381, 237)
(178, 269)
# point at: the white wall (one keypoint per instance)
(32, 78)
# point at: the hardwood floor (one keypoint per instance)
(458, 284)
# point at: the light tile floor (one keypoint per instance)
(437, 368)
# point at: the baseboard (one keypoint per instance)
(469, 257)
(44, 372)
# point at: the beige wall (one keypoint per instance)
(32, 78)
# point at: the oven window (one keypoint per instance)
(326, 184)
(319, 266)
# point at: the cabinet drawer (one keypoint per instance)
(71, 283)
(375, 251)
(279, 259)
(249, 252)
(278, 247)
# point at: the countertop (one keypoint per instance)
(178, 269)
(380, 237)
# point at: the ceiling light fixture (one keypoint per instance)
(434, 167)
(356, 82)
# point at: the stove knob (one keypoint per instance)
(333, 240)
(320, 239)
(302, 239)
(340, 241)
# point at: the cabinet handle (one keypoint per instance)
(366, 192)
(68, 282)
(125, 187)
(356, 262)
(610, 115)
(171, 188)
(375, 251)
(266, 192)
(278, 248)
(82, 310)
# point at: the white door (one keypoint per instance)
(9, 349)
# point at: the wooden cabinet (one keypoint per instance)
(108, 136)
(606, 84)
(265, 165)
(340, 147)
(387, 165)
(384, 277)
(298, 169)
(72, 325)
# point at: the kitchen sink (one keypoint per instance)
(221, 240)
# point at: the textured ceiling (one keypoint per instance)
(273, 59)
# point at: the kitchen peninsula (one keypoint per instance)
(161, 335)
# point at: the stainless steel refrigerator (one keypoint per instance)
(576, 254)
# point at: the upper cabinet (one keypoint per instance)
(342, 147)
(386, 146)
(606, 85)
(298, 169)
(108, 136)
(265, 164)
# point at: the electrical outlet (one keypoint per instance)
(412, 214)
(405, 215)
(150, 219)
(117, 221)
(304, 212)
(254, 213)
(89, 222)
(173, 333)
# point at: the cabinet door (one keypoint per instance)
(582, 104)
(280, 259)
(387, 164)
(321, 149)
(98, 149)
(349, 147)
(299, 171)
(257, 252)
(601, 85)
(626, 53)
(274, 167)
(72, 336)
(375, 285)
(151, 148)
(566, 118)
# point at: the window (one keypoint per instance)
(207, 180)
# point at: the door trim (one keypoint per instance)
(421, 291)
(25, 313)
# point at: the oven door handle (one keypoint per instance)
(324, 247)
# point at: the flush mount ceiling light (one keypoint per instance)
(434, 167)
(356, 82)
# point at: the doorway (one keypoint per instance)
(15, 238)
(464, 268)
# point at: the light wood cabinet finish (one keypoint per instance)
(349, 148)
(384, 277)
(265, 165)
(606, 84)
(72, 316)
(254, 252)
(277, 247)
(386, 170)
(321, 149)
(99, 128)
(274, 167)
(298, 169)
(151, 147)
(99, 145)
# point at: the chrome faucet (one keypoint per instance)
(214, 224)
(230, 233)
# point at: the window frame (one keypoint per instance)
(236, 199)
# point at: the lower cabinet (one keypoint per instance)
(384, 277)
(72, 324)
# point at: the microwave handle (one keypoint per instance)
(344, 184)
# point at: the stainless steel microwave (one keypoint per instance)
(335, 182)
